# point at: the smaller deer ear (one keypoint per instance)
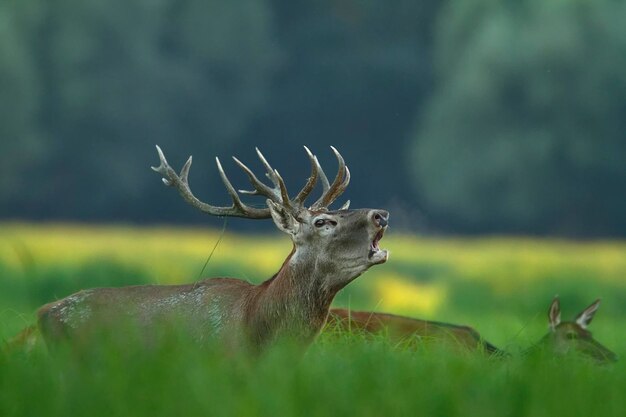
(585, 317)
(554, 313)
(283, 219)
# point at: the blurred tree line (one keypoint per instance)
(479, 116)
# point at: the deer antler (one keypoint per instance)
(181, 183)
(339, 185)
(277, 194)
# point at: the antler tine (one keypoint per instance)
(342, 166)
(338, 186)
(237, 203)
(229, 187)
(323, 178)
(340, 189)
(184, 173)
(181, 183)
(278, 194)
(310, 184)
(259, 187)
(325, 184)
(283, 191)
(270, 171)
(164, 169)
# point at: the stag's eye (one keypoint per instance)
(319, 222)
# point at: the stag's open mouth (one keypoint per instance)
(376, 254)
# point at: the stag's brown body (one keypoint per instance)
(331, 248)
(407, 330)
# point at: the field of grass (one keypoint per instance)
(500, 286)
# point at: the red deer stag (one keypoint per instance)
(330, 249)
(563, 337)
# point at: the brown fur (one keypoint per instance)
(408, 330)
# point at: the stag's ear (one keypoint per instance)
(585, 317)
(554, 313)
(283, 219)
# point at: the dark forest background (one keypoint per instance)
(482, 116)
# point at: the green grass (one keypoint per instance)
(500, 286)
(337, 376)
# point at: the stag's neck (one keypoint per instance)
(294, 303)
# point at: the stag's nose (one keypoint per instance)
(380, 218)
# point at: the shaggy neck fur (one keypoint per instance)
(294, 304)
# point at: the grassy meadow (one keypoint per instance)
(501, 286)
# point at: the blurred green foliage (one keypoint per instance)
(102, 81)
(527, 131)
(481, 116)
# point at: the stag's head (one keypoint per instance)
(572, 336)
(342, 243)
